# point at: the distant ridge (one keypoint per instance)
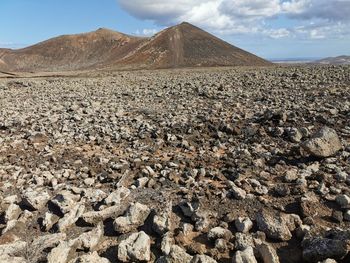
(183, 45)
(340, 60)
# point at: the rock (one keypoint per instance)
(343, 201)
(35, 199)
(268, 253)
(167, 242)
(116, 197)
(135, 216)
(275, 226)
(243, 241)
(10, 259)
(12, 249)
(243, 224)
(71, 217)
(203, 259)
(12, 212)
(49, 220)
(337, 216)
(347, 215)
(42, 243)
(62, 252)
(329, 260)
(162, 220)
(90, 258)
(219, 232)
(90, 240)
(176, 255)
(318, 249)
(325, 143)
(94, 217)
(64, 201)
(137, 247)
(237, 192)
(245, 256)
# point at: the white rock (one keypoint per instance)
(116, 197)
(12, 212)
(135, 217)
(219, 232)
(90, 258)
(71, 217)
(61, 253)
(12, 249)
(90, 240)
(137, 247)
(243, 224)
(35, 199)
(268, 253)
(245, 256)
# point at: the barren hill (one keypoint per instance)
(183, 45)
(341, 60)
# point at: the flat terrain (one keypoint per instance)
(238, 164)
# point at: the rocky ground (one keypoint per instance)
(199, 166)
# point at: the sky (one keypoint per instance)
(273, 29)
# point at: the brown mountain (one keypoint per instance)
(183, 45)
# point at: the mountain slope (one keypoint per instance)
(188, 46)
(72, 52)
(183, 45)
(341, 60)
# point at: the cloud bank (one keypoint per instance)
(313, 19)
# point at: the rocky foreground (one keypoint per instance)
(197, 166)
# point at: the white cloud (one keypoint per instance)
(146, 32)
(248, 16)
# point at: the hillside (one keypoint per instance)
(340, 60)
(183, 45)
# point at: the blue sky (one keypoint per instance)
(268, 28)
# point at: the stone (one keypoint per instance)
(238, 193)
(12, 249)
(135, 216)
(10, 259)
(62, 252)
(245, 256)
(203, 259)
(274, 226)
(176, 255)
(12, 212)
(268, 253)
(91, 239)
(49, 220)
(167, 242)
(219, 232)
(347, 215)
(162, 220)
(116, 197)
(35, 199)
(64, 201)
(137, 247)
(318, 249)
(243, 241)
(243, 224)
(343, 201)
(324, 143)
(90, 258)
(71, 217)
(94, 217)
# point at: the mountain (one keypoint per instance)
(341, 60)
(183, 45)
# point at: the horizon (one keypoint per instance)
(267, 30)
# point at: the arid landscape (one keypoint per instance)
(103, 161)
